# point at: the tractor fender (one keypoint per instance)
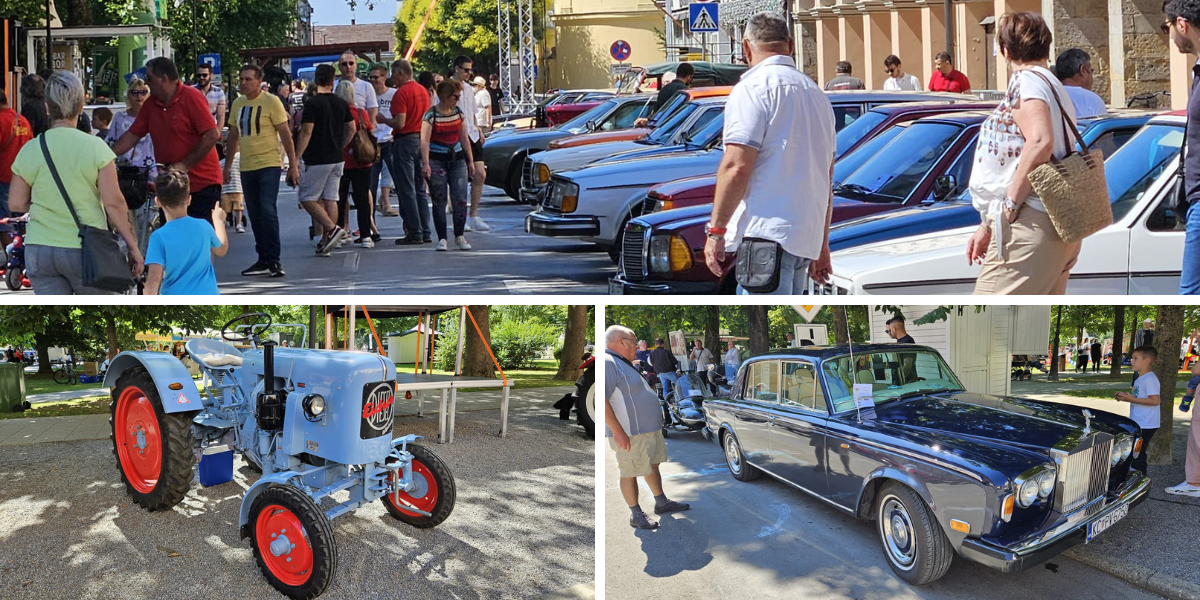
(259, 487)
(165, 370)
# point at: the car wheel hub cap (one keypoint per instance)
(139, 446)
(731, 451)
(898, 534)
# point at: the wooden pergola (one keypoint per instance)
(267, 57)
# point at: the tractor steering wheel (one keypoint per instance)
(255, 327)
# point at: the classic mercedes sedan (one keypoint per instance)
(887, 433)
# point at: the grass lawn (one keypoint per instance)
(41, 384)
(1126, 376)
(541, 375)
(84, 406)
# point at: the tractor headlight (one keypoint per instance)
(314, 406)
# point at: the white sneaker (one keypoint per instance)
(1184, 489)
(477, 224)
(462, 243)
(441, 246)
(241, 229)
(368, 243)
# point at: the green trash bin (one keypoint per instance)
(12, 386)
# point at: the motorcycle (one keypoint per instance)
(683, 405)
(14, 265)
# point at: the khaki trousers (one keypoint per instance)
(1034, 259)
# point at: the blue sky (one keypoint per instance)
(337, 12)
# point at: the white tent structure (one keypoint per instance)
(422, 379)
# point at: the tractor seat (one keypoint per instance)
(213, 354)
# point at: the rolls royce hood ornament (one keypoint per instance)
(1087, 421)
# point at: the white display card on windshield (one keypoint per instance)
(863, 395)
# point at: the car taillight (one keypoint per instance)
(680, 255)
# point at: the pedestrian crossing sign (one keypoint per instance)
(703, 17)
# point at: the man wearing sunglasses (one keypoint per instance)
(897, 79)
(466, 103)
(1183, 19)
(212, 92)
(364, 92)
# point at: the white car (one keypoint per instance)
(1141, 252)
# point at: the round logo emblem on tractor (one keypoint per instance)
(378, 407)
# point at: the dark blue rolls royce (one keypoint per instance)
(888, 433)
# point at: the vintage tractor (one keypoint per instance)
(315, 422)
(583, 400)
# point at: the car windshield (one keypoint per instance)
(888, 375)
(855, 159)
(596, 113)
(1138, 163)
(850, 134)
(700, 125)
(845, 114)
(670, 108)
(710, 133)
(904, 162)
(663, 133)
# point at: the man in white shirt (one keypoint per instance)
(774, 180)
(483, 104)
(378, 76)
(466, 103)
(898, 80)
(1074, 69)
(364, 92)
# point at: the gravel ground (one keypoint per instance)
(523, 524)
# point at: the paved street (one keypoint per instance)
(781, 543)
(505, 260)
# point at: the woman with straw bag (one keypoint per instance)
(1037, 196)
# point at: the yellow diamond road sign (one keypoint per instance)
(809, 312)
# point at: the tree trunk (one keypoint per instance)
(1133, 325)
(110, 326)
(574, 341)
(712, 331)
(1168, 332)
(1114, 370)
(43, 352)
(760, 340)
(1053, 376)
(1078, 345)
(841, 334)
(312, 326)
(477, 362)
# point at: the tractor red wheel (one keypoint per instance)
(153, 448)
(435, 493)
(292, 542)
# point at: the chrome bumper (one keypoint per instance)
(1050, 543)
(558, 225)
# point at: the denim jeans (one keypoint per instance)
(731, 370)
(668, 380)
(793, 276)
(354, 182)
(452, 176)
(260, 189)
(4, 212)
(386, 158)
(55, 271)
(414, 200)
(1189, 276)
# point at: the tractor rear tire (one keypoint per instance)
(306, 568)
(437, 497)
(585, 406)
(153, 449)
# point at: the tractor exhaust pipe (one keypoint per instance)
(270, 405)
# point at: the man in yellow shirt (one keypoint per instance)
(259, 123)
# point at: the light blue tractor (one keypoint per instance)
(316, 423)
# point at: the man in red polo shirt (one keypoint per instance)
(185, 136)
(946, 78)
(409, 106)
(14, 132)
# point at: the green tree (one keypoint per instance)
(465, 28)
(1169, 330)
(574, 339)
(30, 12)
(227, 26)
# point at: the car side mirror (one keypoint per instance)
(944, 186)
(590, 126)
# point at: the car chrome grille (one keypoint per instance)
(825, 289)
(649, 205)
(633, 253)
(1083, 474)
(527, 173)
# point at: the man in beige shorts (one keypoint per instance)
(633, 426)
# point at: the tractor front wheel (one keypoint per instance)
(153, 449)
(293, 542)
(434, 494)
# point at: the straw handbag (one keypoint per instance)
(1073, 189)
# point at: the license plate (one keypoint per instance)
(1102, 524)
(615, 288)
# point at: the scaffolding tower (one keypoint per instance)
(517, 72)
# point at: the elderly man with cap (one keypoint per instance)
(633, 426)
(483, 106)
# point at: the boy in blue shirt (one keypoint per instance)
(179, 256)
(1144, 400)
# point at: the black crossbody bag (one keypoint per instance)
(757, 265)
(104, 264)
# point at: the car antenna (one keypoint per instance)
(853, 376)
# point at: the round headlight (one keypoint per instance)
(1046, 482)
(317, 406)
(1126, 447)
(1114, 455)
(1028, 492)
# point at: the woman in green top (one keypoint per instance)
(53, 257)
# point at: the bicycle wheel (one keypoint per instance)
(61, 377)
